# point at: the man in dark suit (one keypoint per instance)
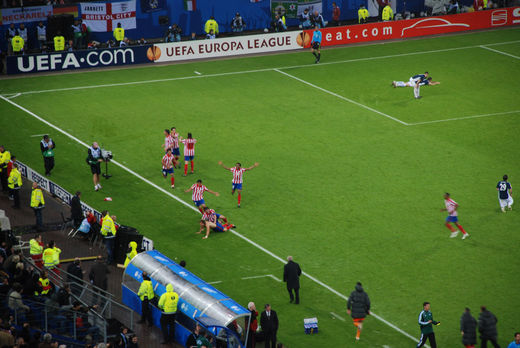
(269, 323)
(291, 275)
(76, 213)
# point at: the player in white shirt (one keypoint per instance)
(451, 208)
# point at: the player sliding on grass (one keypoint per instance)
(416, 82)
(189, 152)
(198, 194)
(316, 44)
(451, 208)
(238, 173)
(168, 162)
(210, 221)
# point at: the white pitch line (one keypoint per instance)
(342, 97)
(499, 52)
(196, 72)
(337, 316)
(12, 96)
(36, 135)
(270, 253)
(215, 282)
(277, 279)
(259, 70)
(466, 117)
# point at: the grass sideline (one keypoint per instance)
(350, 195)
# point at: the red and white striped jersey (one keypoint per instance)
(451, 207)
(168, 142)
(189, 146)
(237, 174)
(167, 161)
(207, 213)
(175, 138)
(198, 192)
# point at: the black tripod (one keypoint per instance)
(105, 174)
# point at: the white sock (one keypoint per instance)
(416, 91)
(400, 84)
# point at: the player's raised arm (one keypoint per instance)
(213, 192)
(188, 190)
(223, 166)
(253, 166)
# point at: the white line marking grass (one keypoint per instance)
(342, 97)
(500, 52)
(260, 70)
(196, 72)
(337, 316)
(36, 135)
(258, 246)
(466, 117)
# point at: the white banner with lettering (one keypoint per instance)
(103, 17)
(229, 46)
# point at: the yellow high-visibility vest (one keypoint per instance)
(362, 14)
(119, 34)
(130, 255)
(59, 43)
(168, 301)
(15, 178)
(211, 24)
(5, 157)
(48, 258)
(17, 43)
(108, 226)
(146, 289)
(37, 198)
(388, 13)
(36, 248)
(46, 286)
(56, 256)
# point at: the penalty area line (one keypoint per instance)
(499, 52)
(258, 246)
(337, 316)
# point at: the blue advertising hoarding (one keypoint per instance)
(95, 58)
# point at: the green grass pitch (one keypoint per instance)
(351, 194)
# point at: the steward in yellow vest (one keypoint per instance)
(18, 44)
(5, 158)
(168, 305)
(59, 42)
(146, 294)
(51, 257)
(14, 182)
(45, 283)
(37, 203)
(388, 13)
(108, 231)
(362, 14)
(211, 23)
(119, 33)
(132, 252)
(36, 250)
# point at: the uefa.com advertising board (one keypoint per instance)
(263, 43)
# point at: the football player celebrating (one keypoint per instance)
(211, 221)
(237, 180)
(168, 162)
(198, 194)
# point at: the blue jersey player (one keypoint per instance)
(504, 194)
(316, 43)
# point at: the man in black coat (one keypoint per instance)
(291, 275)
(487, 326)
(358, 307)
(468, 328)
(76, 213)
(75, 270)
(269, 323)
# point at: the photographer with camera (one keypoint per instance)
(94, 159)
(173, 34)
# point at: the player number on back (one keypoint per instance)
(503, 187)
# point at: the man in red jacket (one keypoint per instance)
(335, 14)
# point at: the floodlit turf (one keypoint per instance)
(352, 194)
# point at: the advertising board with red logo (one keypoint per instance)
(103, 17)
(417, 27)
